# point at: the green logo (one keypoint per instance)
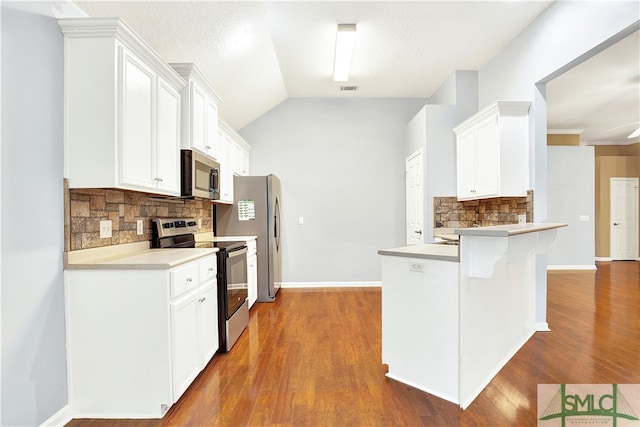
(565, 405)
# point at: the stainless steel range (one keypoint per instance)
(233, 307)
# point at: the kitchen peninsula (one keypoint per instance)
(453, 316)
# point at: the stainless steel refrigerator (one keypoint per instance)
(256, 212)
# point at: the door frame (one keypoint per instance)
(635, 182)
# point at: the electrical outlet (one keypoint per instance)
(105, 229)
(140, 227)
(300, 220)
(416, 266)
(522, 219)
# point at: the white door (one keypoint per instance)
(624, 218)
(415, 198)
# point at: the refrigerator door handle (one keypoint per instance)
(276, 220)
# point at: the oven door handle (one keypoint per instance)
(239, 252)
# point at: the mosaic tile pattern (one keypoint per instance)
(86, 207)
(450, 213)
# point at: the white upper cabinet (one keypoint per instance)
(241, 158)
(234, 159)
(492, 152)
(199, 112)
(121, 110)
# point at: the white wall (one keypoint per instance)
(571, 176)
(564, 35)
(432, 130)
(33, 369)
(341, 163)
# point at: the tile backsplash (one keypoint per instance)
(86, 207)
(451, 213)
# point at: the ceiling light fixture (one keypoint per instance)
(634, 134)
(345, 42)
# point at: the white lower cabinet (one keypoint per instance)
(252, 272)
(136, 339)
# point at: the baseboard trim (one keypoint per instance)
(294, 285)
(60, 418)
(541, 327)
(572, 267)
(603, 258)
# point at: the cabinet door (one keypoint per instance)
(208, 307)
(198, 118)
(168, 140)
(240, 160)
(465, 166)
(226, 168)
(137, 122)
(184, 343)
(212, 145)
(252, 279)
(487, 166)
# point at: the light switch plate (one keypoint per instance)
(105, 229)
(300, 220)
(139, 227)
(583, 218)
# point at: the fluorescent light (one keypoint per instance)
(345, 42)
(634, 134)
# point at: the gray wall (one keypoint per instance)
(571, 175)
(564, 35)
(341, 163)
(33, 368)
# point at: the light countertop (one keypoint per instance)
(132, 257)
(508, 230)
(436, 251)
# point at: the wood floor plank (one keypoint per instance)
(313, 358)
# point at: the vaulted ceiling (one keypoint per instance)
(258, 54)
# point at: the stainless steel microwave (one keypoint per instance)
(199, 176)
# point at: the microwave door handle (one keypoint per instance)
(213, 174)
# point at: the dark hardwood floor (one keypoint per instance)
(312, 358)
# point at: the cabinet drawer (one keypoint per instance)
(183, 279)
(207, 268)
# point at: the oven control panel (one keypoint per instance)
(166, 227)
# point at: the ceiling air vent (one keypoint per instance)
(348, 88)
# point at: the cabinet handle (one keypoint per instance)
(158, 179)
(208, 147)
(210, 268)
(616, 223)
(202, 299)
(189, 280)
